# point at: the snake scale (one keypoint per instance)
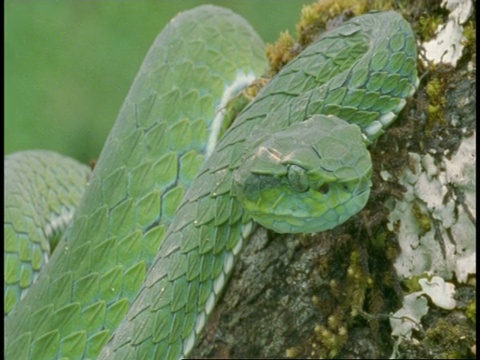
(175, 195)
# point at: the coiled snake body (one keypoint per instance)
(174, 197)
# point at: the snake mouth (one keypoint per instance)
(275, 205)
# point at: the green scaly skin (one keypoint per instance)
(32, 223)
(359, 73)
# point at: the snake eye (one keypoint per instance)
(297, 178)
(323, 189)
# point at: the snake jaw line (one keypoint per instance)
(210, 304)
(228, 264)
(189, 344)
(200, 323)
(246, 231)
(218, 283)
(373, 130)
(387, 119)
(400, 106)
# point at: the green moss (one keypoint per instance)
(327, 342)
(435, 90)
(470, 33)
(451, 341)
(428, 24)
(313, 20)
(422, 219)
(412, 284)
(358, 281)
(281, 52)
(379, 240)
(315, 17)
(471, 311)
(332, 338)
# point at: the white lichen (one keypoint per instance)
(440, 292)
(435, 225)
(435, 220)
(415, 307)
(448, 45)
(408, 318)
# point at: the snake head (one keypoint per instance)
(309, 178)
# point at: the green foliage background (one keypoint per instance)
(69, 64)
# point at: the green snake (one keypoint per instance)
(175, 194)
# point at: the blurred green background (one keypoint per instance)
(69, 64)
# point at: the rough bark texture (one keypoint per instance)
(330, 295)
